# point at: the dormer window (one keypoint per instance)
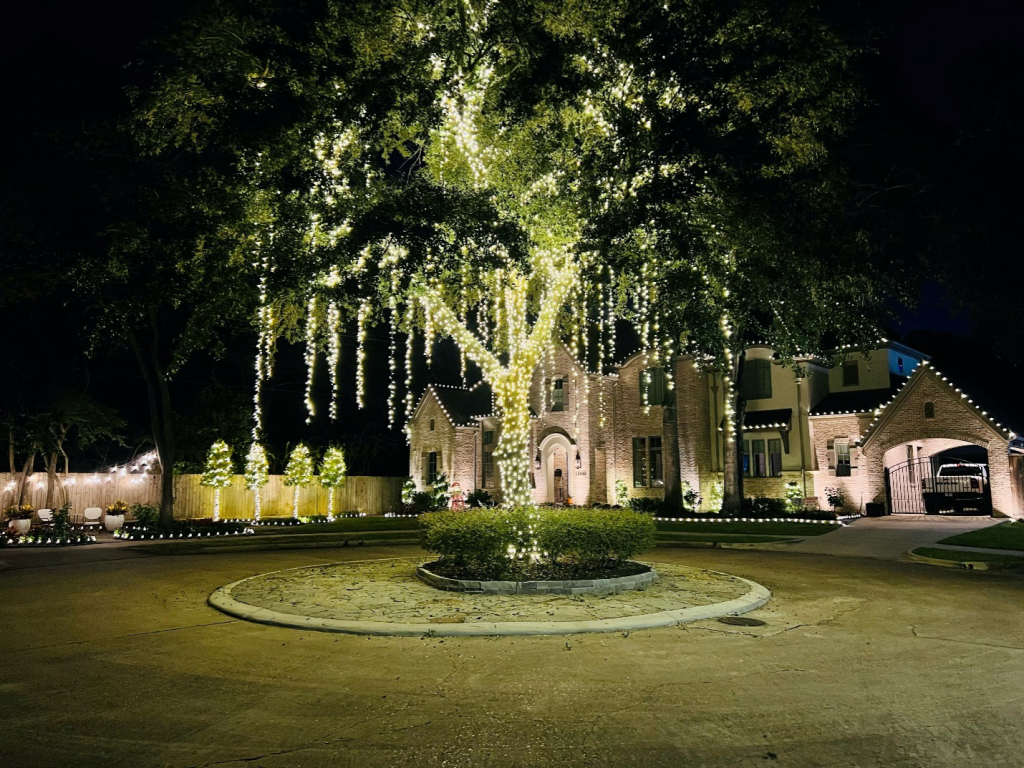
(851, 374)
(431, 425)
(929, 410)
(899, 364)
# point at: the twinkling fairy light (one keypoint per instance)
(333, 353)
(310, 354)
(361, 319)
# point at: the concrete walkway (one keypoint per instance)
(886, 538)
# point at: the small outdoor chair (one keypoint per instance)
(92, 516)
(45, 516)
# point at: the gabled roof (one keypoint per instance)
(925, 369)
(858, 400)
(462, 406)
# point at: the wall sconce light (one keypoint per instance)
(536, 460)
(579, 462)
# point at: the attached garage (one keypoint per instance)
(933, 449)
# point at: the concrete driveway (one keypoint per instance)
(120, 662)
(886, 538)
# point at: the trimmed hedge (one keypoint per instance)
(481, 539)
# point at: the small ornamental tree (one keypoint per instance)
(332, 475)
(256, 473)
(299, 473)
(218, 472)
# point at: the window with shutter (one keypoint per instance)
(558, 395)
(851, 373)
(842, 451)
(775, 458)
(831, 454)
(757, 380)
(759, 464)
(639, 462)
(656, 469)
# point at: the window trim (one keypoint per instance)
(848, 366)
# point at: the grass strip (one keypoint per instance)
(959, 556)
(755, 529)
(1008, 535)
(722, 538)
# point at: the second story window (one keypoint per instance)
(431, 425)
(929, 410)
(488, 437)
(652, 386)
(851, 373)
(757, 380)
(558, 395)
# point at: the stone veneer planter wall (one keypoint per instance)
(567, 587)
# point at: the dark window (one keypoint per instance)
(488, 437)
(842, 458)
(558, 395)
(746, 457)
(851, 374)
(775, 458)
(639, 462)
(929, 410)
(488, 469)
(432, 462)
(431, 425)
(652, 386)
(758, 463)
(899, 364)
(757, 380)
(657, 471)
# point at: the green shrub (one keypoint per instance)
(477, 539)
(146, 515)
(479, 498)
(763, 506)
(650, 506)
(482, 539)
(594, 537)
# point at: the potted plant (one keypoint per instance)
(20, 518)
(114, 518)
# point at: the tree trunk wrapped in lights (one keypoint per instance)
(218, 472)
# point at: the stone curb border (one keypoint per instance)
(563, 587)
(963, 565)
(222, 600)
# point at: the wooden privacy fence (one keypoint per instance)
(370, 495)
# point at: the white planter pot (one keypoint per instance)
(113, 522)
(21, 526)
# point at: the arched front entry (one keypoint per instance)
(555, 450)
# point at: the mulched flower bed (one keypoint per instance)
(560, 571)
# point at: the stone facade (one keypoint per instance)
(875, 406)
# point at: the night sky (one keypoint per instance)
(66, 63)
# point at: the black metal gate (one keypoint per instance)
(907, 483)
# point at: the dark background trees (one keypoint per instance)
(86, 221)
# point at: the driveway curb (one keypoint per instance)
(966, 565)
(757, 596)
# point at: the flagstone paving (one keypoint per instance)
(388, 591)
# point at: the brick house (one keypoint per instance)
(847, 427)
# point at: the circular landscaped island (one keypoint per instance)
(499, 572)
(386, 597)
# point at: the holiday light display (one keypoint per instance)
(256, 475)
(298, 474)
(332, 475)
(218, 472)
